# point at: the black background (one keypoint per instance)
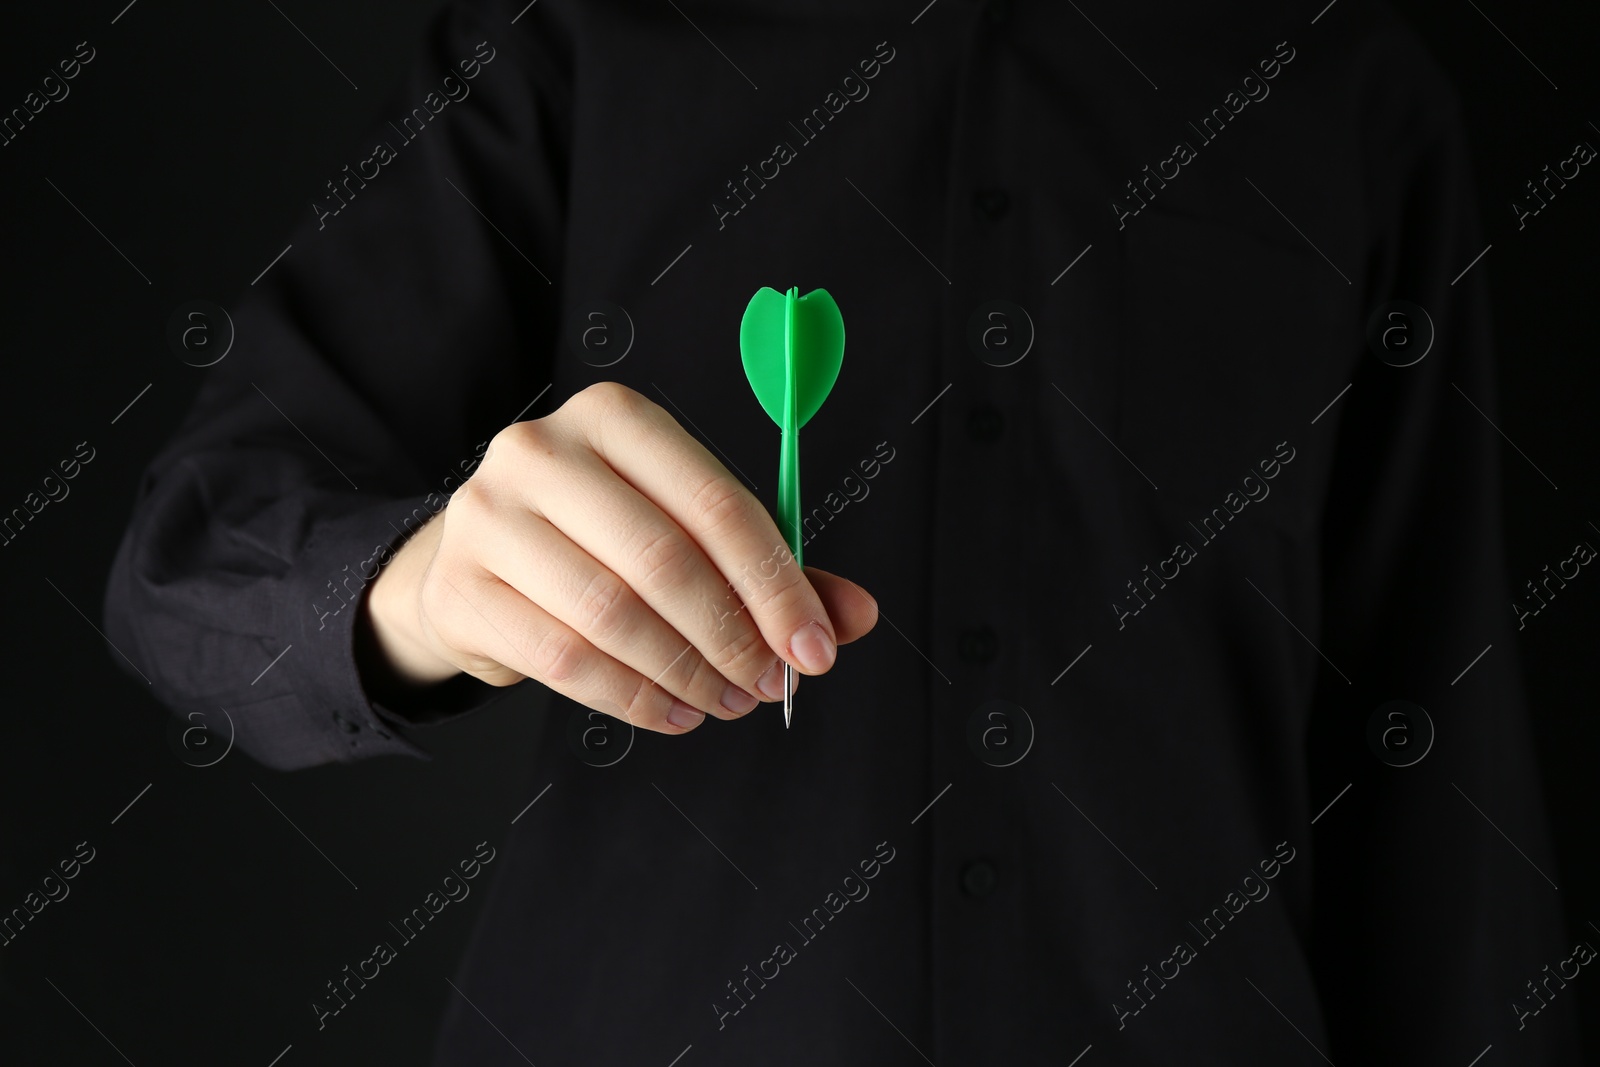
(206, 922)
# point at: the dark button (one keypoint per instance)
(991, 203)
(985, 423)
(997, 12)
(978, 645)
(979, 879)
(345, 724)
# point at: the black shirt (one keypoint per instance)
(1158, 525)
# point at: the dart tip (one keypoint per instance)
(788, 694)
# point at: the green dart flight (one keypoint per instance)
(792, 347)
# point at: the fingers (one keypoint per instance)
(646, 448)
(508, 631)
(627, 534)
(661, 566)
(537, 560)
(604, 552)
(853, 610)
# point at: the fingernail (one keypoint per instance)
(771, 683)
(683, 716)
(737, 701)
(812, 646)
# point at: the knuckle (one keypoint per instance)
(664, 560)
(492, 673)
(506, 441)
(705, 683)
(469, 502)
(604, 607)
(518, 446)
(636, 711)
(520, 456)
(555, 655)
(720, 501)
(786, 591)
(743, 652)
(608, 400)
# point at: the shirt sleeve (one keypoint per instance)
(411, 317)
(1435, 889)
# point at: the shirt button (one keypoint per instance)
(977, 645)
(985, 423)
(978, 879)
(345, 724)
(991, 204)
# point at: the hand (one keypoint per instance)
(605, 553)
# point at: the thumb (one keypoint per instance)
(851, 608)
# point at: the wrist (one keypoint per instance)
(392, 654)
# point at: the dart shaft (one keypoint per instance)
(789, 471)
(789, 454)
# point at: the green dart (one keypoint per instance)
(792, 347)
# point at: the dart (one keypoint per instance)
(792, 347)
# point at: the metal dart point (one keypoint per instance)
(788, 694)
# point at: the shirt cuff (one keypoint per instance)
(341, 559)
